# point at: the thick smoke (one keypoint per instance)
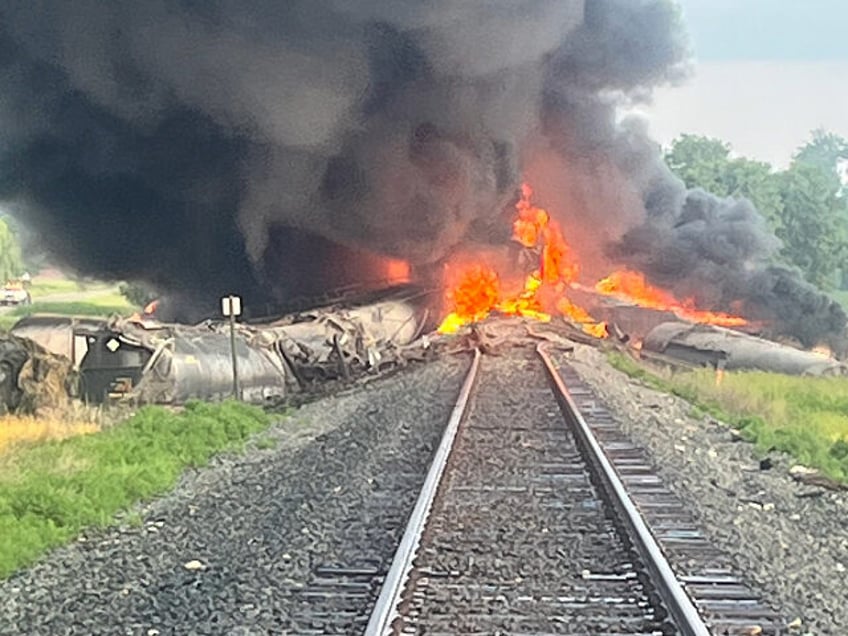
(187, 143)
(271, 148)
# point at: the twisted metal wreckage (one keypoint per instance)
(145, 361)
(47, 360)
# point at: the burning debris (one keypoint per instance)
(289, 148)
(475, 290)
(631, 287)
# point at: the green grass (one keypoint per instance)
(266, 443)
(806, 417)
(51, 491)
(104, 305)
(49, 286)
(92, 307)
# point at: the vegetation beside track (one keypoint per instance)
(50, 491)
(840, 296)
(28, 429)
(103, 305)
(50, 286)
(806, 417)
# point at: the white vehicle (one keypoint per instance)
(14, 293)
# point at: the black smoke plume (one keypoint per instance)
(263, 146)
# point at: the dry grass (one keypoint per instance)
(17, 429)
(21, 431)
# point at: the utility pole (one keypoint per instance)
(231, 306)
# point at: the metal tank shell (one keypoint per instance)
(145, 361)
(707, 345)
(63, 335)
(201, 368)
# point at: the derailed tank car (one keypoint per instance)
(150, 362)
(63, 335)
(170, 365)
(711, 346)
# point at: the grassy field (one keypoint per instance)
(105, 304)
(53, 293)
(806, 417)
(51, 286)
(52, 490)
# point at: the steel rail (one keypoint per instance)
(686, 616)
(385, 611)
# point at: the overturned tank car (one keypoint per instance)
(166, 364)
(706, 345)
(145, 361)
(65, 336)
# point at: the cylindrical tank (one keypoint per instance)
(716, 346)
(200, 367)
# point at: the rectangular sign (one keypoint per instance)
(231, 305)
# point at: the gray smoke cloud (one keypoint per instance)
(271, 147)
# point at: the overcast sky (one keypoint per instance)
(767, 72)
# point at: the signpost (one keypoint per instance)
(231, 307)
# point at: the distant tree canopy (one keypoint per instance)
(11, 263)
(703, 162)
(806, 205)
(33, 253)
(826, 151)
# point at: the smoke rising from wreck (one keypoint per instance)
(214, 146)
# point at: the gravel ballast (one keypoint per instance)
(789, 539)
(229, 550)
(519, 540)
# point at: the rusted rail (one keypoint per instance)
(686, 617)
(386, 609)
(638, 593)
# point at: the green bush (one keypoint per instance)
(137, 294)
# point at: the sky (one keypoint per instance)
(766, 73)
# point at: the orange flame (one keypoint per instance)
(531, 221)
(397, 271)
(632, 287)
(533, 228)
(475, 291)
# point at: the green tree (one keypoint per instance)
(138, 294)
(11, 263)
(822, 159)
(826, 151)
(700, 161)
(812, 223)
(806, 205)
(704, 162)
(34, 254)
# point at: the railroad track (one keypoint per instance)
(538, 517)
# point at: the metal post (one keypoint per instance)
(236, 394)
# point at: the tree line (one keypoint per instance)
(11, 258)
(806, 204)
